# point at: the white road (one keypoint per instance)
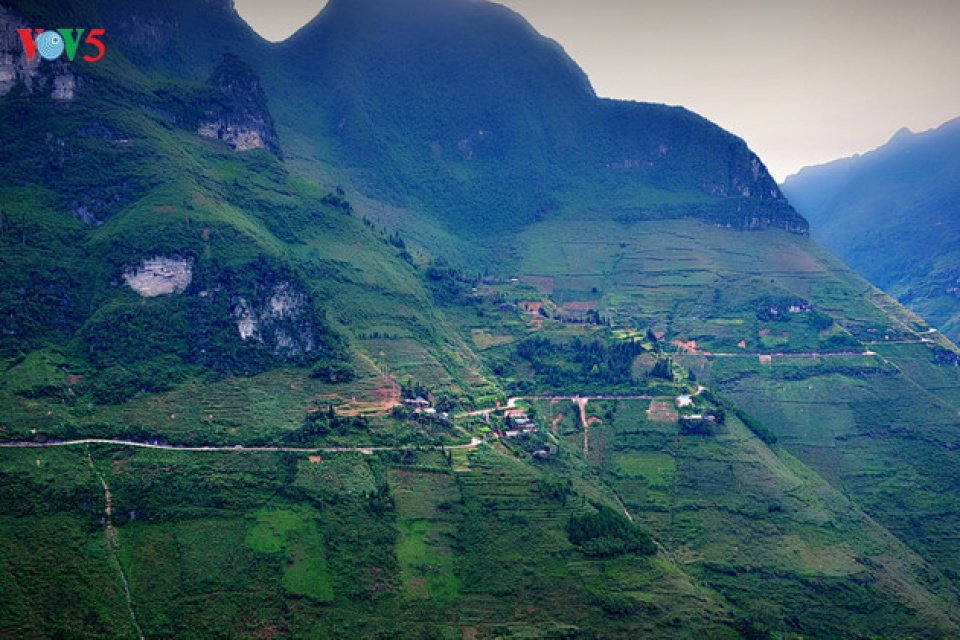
(474, 442)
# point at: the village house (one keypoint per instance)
(544, 453)
(517, 422)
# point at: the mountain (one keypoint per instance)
(397, 330)
(891, 214)
(462, 109)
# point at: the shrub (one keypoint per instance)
(607, 533)
(113, 386)
(333, 372)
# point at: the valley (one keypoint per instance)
(890, 215)
(398, 330)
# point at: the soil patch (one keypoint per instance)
(662, 411)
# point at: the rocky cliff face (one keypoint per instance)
(159, 276)
(241, 119)
(41, 76)
(278, 319)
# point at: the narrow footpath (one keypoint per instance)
(113, 542)
(582, 405)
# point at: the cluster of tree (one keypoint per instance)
(593, 317)
(606, 533)
(377, 335)
(324, 423)
(575, 363)
(413, 389)
(841, 342)
(450, 285)
(534, 443)
(118, 383)
(333, 371)
(396, 240)
(406, 412)
(338, 200)
(820, 320)
(41, 299)
(616, 604)
(777, 308)
(945, 357)
(555, 488)
(705, 424)
(663, 369)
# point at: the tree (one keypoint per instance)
(663, 369)
(608, 533)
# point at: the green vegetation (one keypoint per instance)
(581, 366)
(305, 572)
(499, 231)
(607, 533)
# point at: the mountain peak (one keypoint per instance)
(462, 109)
(902, 136)
(468, 97)
(241, 117)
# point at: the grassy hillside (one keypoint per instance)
(280, 272)
(847, 382)
(462, 110)
(458, 110)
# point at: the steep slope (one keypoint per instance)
(891, 214)
(152, 234)
(165, 285)
(461, 110)
(462, 107)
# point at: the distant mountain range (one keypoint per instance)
(397, 330)
(894, 215)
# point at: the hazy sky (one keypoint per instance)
(802, 81)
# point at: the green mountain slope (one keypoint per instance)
(891, 215)
(464, 108)
(230, 263)
(461, 110)
(139, 189)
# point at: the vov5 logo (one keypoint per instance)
(53, 44)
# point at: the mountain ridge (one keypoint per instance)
(570, 120)
(433, 130)
(887, 213)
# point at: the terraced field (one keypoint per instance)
(733, 512)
